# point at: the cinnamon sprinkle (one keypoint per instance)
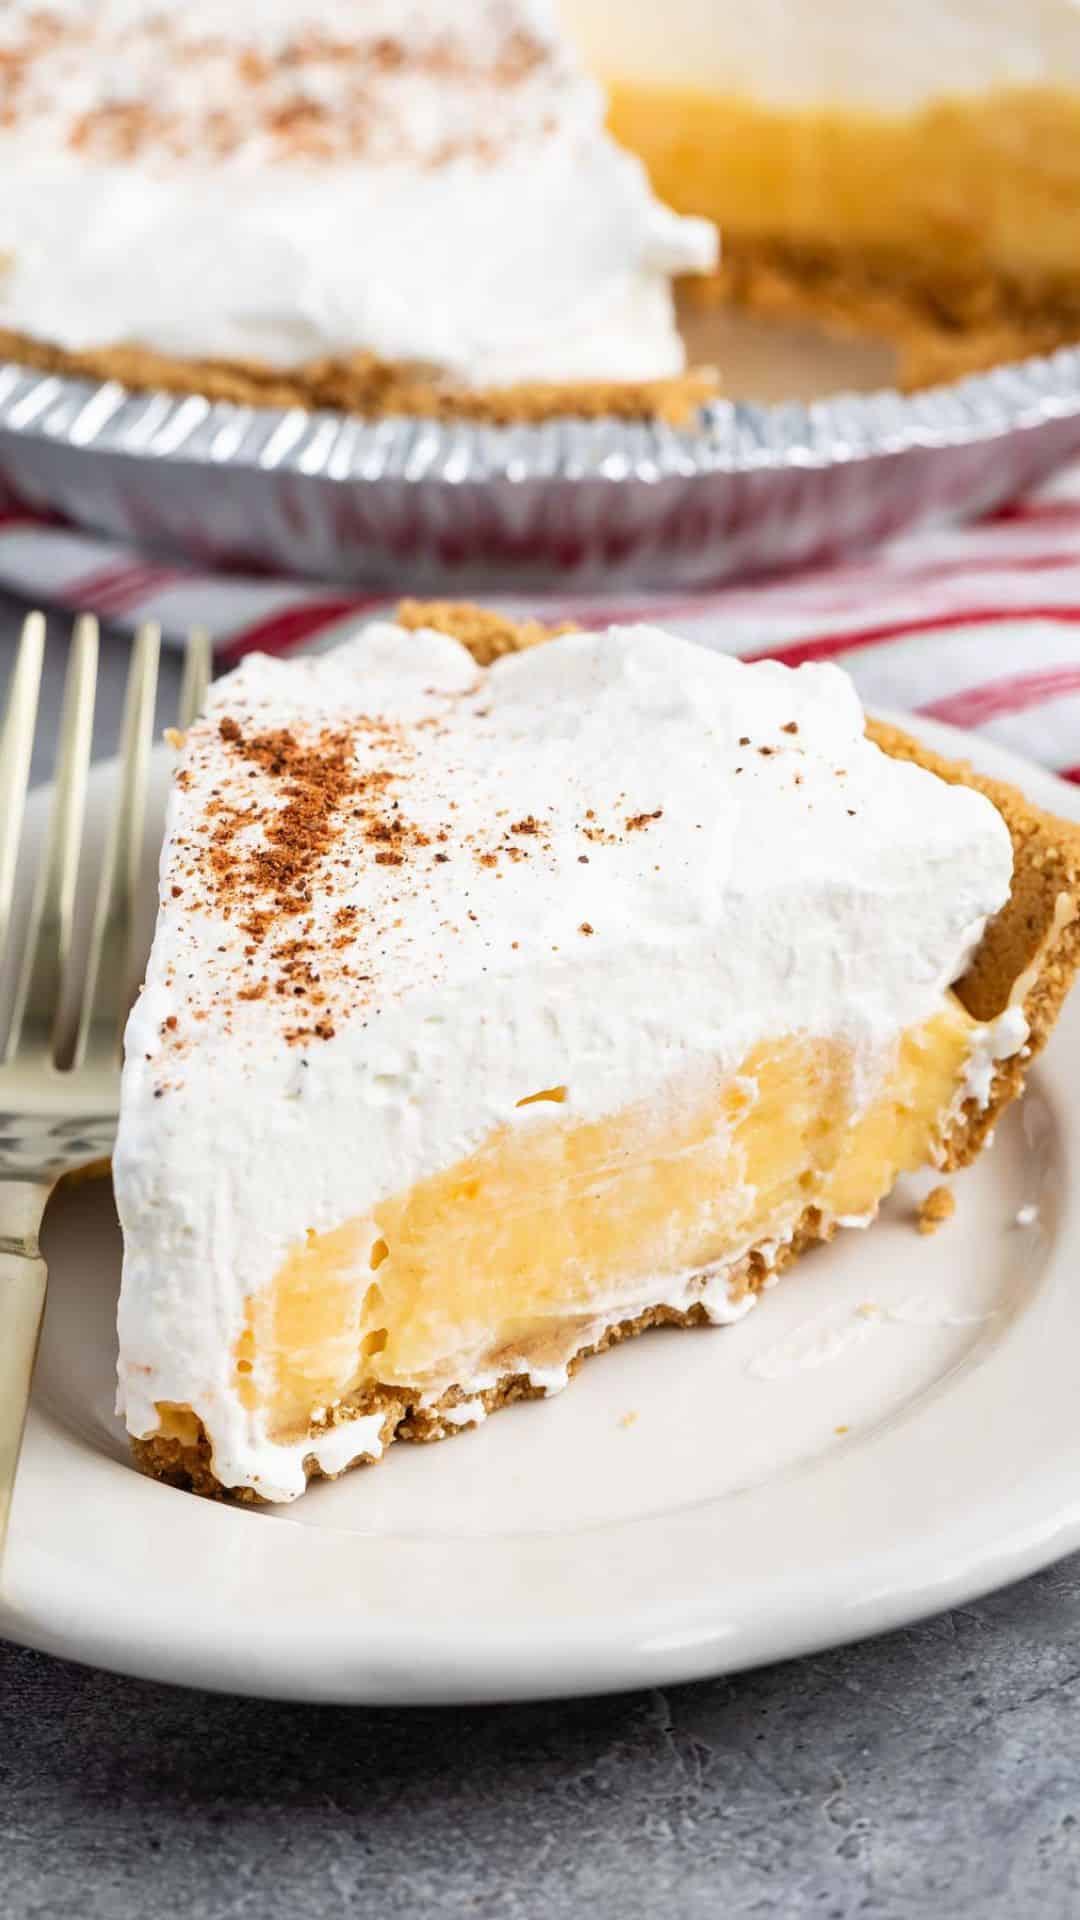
(315, 98)
(265, 860)
(274, 878)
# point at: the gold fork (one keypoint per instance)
(59, 1089)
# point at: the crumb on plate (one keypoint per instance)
(939, 1206)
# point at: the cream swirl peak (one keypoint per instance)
(303, 178)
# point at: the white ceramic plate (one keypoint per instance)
(894, 1430)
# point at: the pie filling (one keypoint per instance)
(994, 177)
(945, 229)
(508, 1260)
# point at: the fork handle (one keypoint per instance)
(22, 1306)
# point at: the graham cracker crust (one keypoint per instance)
(190, 1466)
(944, 320)
(487, 635)
(942, 323)
(363, 384)
(1030, 951)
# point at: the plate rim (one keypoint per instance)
(86, 415)
(1022, 1528)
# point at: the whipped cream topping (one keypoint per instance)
(305, 178)
(400, 895)
(835, 53)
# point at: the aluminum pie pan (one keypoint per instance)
(448, 507)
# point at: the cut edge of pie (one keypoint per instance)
(1027, 958)
(943, 229)
(942, 325)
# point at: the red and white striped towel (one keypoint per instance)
(977, 625)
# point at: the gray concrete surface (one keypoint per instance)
(934, 1773)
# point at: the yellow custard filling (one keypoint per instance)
(993, 179)
(556, 1220)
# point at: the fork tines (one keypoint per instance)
(45, 938)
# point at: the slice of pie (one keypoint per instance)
(498, 1011)
(373, 206)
